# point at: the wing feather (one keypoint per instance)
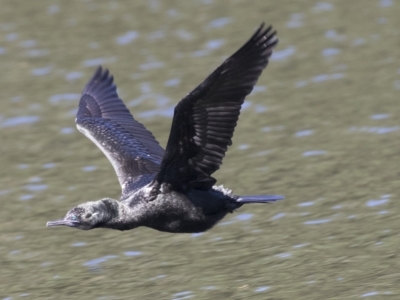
(104, 119)
(204, 121)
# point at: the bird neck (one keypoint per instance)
(119, 216)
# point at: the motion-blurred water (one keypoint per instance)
(321, 127)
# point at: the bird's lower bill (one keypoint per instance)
(62, 223)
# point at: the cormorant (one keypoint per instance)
(170, 190)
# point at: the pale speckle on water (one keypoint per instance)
(358, 42)
(56, 99)
(375, 129)
(243, 147)
(36, 187)
(280, 55)
(28, 43)
(41, 71)
(369, 294)
(127, 38)
(67, 130)
(152, 65)
(37, 52)
(302, 133)
(278, 216)
(11, 37)
(172, 82)
(330, 51)
(386, 3)
(17, 121)
(26, 197)
(89, 168)
(132, 253)
(221, 22)
(94, 62)
(262, 289)
(215, 44)
(53, 9)
(323, 6)
(377, 202)
(317, 222)
(71, 76)
(95, 263)
(296, 21)
(300, 246)
(380, 116)
(244, 217)
(314, 153)
(308, 203)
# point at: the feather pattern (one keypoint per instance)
(204, 121)
(105, 120)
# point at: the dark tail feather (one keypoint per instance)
(259, 199)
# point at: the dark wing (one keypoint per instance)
(106, 121)
(205, 119)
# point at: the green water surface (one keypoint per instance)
(321, 127)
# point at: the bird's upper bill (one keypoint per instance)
(63, 222)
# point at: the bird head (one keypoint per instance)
(87, 215)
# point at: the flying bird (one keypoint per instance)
(170, 190)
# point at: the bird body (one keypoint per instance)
(170, 190)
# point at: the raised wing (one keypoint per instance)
(205, 119)
(106, 121)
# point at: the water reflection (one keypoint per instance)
(151, 65)
(323, 6)
(330, 52)
(374, 129)
(132, 253)
(94, 62)
(172, 82)
(278, 216)
(386, 3)
(56, 99)
(221, 22)
(71, 76)
(376, 202)
(127, 38)
(89, 168)
(296, 21)
(380, 116)
(215, 44)
(262, 289)
(280, 55)
(314, 153)
(21, 120)
(41, 71)
(304, 133)
(95, 263)
(317, 222)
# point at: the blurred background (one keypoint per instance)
(321, 127)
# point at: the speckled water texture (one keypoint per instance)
(321, 127)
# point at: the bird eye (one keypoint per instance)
(73, 217)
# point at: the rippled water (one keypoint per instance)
(321, 127)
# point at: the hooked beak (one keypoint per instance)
(62, 223)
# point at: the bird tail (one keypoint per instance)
(258, 199)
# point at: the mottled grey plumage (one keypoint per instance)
(170, 191)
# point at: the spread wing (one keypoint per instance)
(205, 119)
(106, 121)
